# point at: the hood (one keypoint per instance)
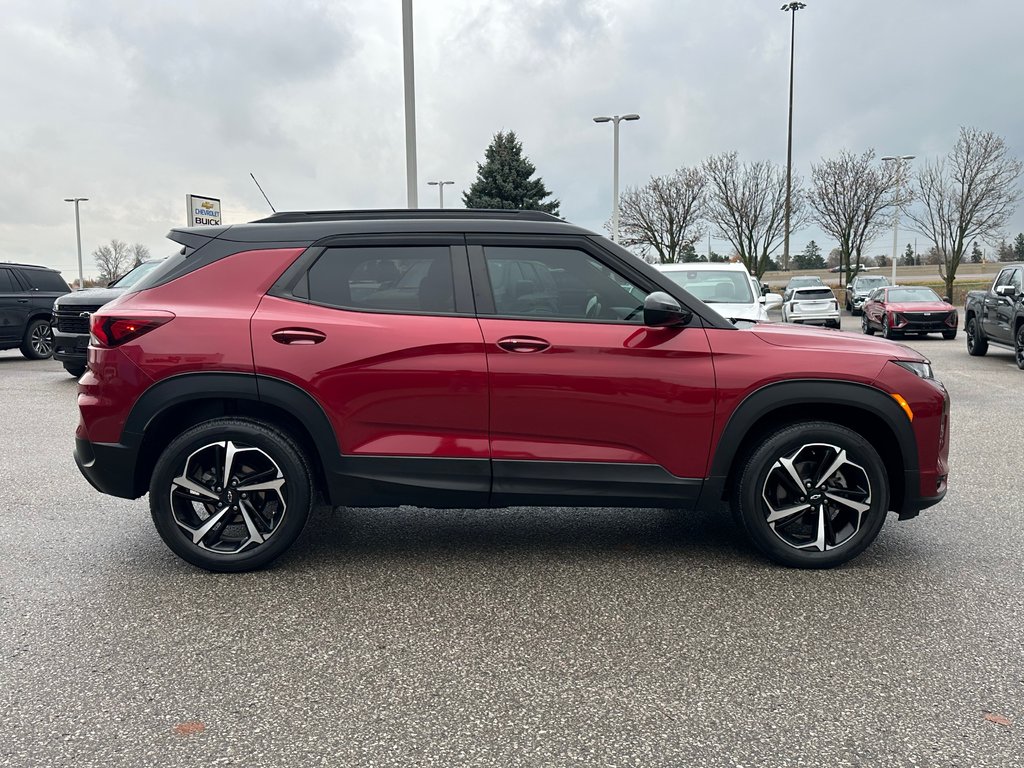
(755, 313)
(804, 337)
(90, 297)
(920, 306)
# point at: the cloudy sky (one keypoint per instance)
(135, 104)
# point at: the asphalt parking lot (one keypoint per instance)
(520, 637)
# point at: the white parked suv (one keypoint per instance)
(813, 305)
(728, 288)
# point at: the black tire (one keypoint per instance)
(949, 335)
(37, 344)
(1018, 346)
(887, 332)
(279, 514)
(75, 369)
(865, 325)
(809, 445)
(977, 344)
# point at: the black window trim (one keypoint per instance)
(286, 285)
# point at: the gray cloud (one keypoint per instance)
(135, 104)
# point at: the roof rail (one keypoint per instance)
(405, 213)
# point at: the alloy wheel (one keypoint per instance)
(41, 340)
(816, 497)
(229, 497)
(1018, 346)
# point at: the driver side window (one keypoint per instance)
(560, 284)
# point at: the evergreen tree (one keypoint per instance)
(909, 257)
(503, 179)
(810, 258)
(688, 253)
(1018, 246)
(976, 257)
(1005, 251)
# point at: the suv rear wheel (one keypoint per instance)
(231, 494)
(38, 341)
(813, 495)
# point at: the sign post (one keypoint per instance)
(202, 211)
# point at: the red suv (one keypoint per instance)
(483, 359)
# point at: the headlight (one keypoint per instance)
(924, 370)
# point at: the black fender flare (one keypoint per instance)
(773, 397)
(186, 387)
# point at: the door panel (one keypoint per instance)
(602, 393)
(14, 307)
(391, 384)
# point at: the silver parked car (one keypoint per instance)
(813, 305)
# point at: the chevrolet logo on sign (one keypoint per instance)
(202, 211)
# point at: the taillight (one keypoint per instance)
(114, 330)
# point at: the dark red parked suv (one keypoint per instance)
(483, 359)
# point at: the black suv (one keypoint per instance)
(27, 293)
(71, 315)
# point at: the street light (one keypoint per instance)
(615, 120)
(78, 234)
(896, 214)
(792, 8)
(440, 188)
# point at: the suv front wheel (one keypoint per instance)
(231, 494)
(812, 495)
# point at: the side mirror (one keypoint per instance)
(947, 299)
(1009, 291)
(772, 301)
(663, 311)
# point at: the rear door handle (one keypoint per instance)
(23, 301)
(298, 336)
(523, 344)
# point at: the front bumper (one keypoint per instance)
(70, 347)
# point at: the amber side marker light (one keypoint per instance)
(904, 405)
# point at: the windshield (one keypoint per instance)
(714, 286)
(867, 284)
(913, 294)
(135, 275)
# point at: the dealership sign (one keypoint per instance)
(202, 210)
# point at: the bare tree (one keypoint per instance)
(139, 253)
(850, 196)
(664, 215)
(746, 205)
(971, 193)
(113, 260)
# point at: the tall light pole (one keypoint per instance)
(792, 8)
(78, 235)
(896, 214)
(440, 189)
(410, 106)
(615, 120)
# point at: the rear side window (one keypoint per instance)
(384, 279)
(44, 280)
(6, 284)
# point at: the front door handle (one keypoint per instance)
(523, 344)
(23, 301)
(298, 336)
